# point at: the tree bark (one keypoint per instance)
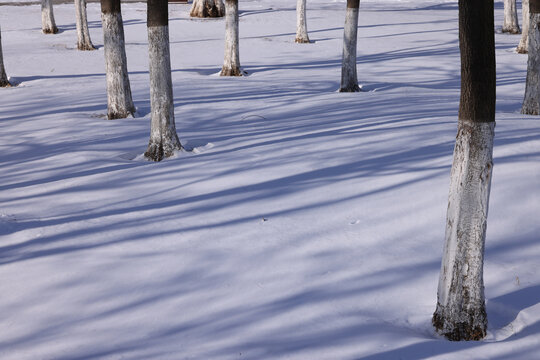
(4, 82)
(301, 25)
(163, 137)
(48, 25)
(231, 64)
(523, 46)
(349, 78)
(531, 101)
(119, 101)
(460, 312)
(207, 8)
(83, 34)
(510, 23)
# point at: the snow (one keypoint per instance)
(305, 223)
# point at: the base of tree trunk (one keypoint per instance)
(511, 30)
(302, 41)
(207, 12)
(53, 30)
(522, 50)
(350, 88)
(227, 71)
(157, 152)
(473, 329)
(86, 47)
(114, 115)
(5, 83)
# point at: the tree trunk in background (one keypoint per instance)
(461, 313)
(523, 46)
(4, 82)
(510, 23)
(48, 26)
(119, 102)
(207, 8)
(83, 34)
(231, 65)
(531, 101)
(349, 78)
(301, 25)
(163, 138)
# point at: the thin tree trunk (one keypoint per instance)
(83, 34)
(510, 23)
(48, 26)
(523, 46)
(460, 313)
(4, 82)
(207, 8)
(531, 101)
(231, 65)
(349, 78)
(301, 25)
(119, 101)
(163, 138)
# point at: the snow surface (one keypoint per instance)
(305, 223)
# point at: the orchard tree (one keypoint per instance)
(461, 312)
(301, 26)
(4, 82)
(349, 78)
(163, 138)
(83, 34)
(231, 64)
(207, 8)
(531, 101)
(510, 22)
(119, 101)
(48, 26)
(523, 46)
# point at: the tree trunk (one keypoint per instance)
(349, 78)
(83, 34)
(4, 82)
(523, 46)
(163, 138)
(531, 101)
(301, 26)
(231, 65)
(510, 23)
(460, 313)
(207, 8)
(48, 26)
(119, 101)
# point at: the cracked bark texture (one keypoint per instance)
(510, 22)
(349, 77)
(460, 313)
(4, 82)
(163, 137)
(48, 25)
(207, 8)
(83, 34)
(119, 101)
(523, 47)
(531, 101)
(301, 25)
(231, 63)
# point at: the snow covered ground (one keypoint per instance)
(305, 223)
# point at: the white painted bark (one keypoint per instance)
(119, 101)
(349, 78)
(461, 304)
(531, 101)
(83, 34)
(523, 46)
(231, 64)
(48, 25)
(4, 81)
(163, 137)
(301, 25)
(510, 22)
(207, 8)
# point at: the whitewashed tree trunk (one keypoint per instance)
(4, 82)
(48, 25)
(231, 64)
(523, 46)
(349, 78)
(460, 312)
(119, 101)
(163, 137)
(301, 25)
(531, 101)
(510, 22)
(83, 34)
(207, 8)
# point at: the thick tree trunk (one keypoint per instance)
(4, 82)
(48, 26)
(460, 313)
(349, 78)
(83, 34)
(119, 101)
(531, 101)
(301, 25)
(231, 65)
(510, 23)
(523, 46)
(163, 138)
(207, 8)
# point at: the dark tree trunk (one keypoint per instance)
(460, 313)
(531, 101)
(119, 101)
(349, 78)
(163, 138)
(4, 82)
(231, 64)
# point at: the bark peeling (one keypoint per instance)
(349, 77)
(301, 25)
